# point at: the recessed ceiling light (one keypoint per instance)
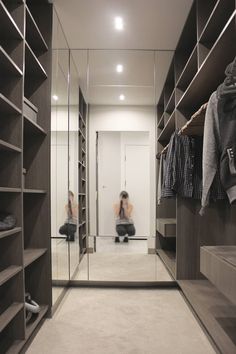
(55, 97)
(122, 97)
(119, 24)
(119, 68)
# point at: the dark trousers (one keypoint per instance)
(125, 229)
(69, 230)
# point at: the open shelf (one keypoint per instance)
(217, 314)
(168, 129)
(33, 65)
(32, 128)
(166, 227)
(9, 314)
(8, 27)
(4, 146)
(10, 232)
(160, 123)
(218, 264)
(170, 106)
(33, 35)
(8, 273)
(169, 259)
(34, 191)
(31, 255)
(9, 190)
(7, 107)
(204, 10)
(189, 71)
(7, 65)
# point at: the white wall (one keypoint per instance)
(117, 118)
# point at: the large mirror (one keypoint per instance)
(123, 88)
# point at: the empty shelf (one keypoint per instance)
(31, 128)
(9, 190)
(33, 65)
(218, 264)
(31, 255)
(168, 129)
(82, 224)
(33, 35)
(4, 146)
(8, 27)
(166, 227)
(34, 191)
(8, 273)
(10, 232)
(7, 107)
(8, 315)
(7, 65)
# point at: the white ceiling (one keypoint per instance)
(148, 24)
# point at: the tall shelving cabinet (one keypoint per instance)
(207, 45)
(82, 173)
(25, 256)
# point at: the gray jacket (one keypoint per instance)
(219, 148)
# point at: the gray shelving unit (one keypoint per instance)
(25, 255)
(206, 46)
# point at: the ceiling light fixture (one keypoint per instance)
(55, 97)
(119, 24)
(122, 97)
(119, 68)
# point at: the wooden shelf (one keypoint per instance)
(8, 27)
(82, 164)
(34, 36)
(160, 124)
(84, 236)
(169, 259)
(31, 255)
(7, 107)
(214, 310)
(82, 194)
(166, 227)
(189, 71)
(10, 232)
(7, 65)
(32, 128)
(33, 65)
(82, 119)
(10, 190)
(34, 191)
(9, 273)
(168, 130)
(170, 106)
(4, 146)
(218, 264)
(9, 314)
(210, 68)
(81, 133)
(82, 224)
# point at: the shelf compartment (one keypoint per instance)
(8, 27)
(9, 273)
(189, 71)
(81, 133)
(11, 232)
(4, 146)
(7, 107)
(204, 10)
(31, 255)
(218, 264)
(7, 65)
(9, 314)
(216, 22)
(32, 64)
(32, 128)
(166, 227)
(168, 130)
(219, 56)
(82, 224)
(33, 34)
(169, 259)
(216, 313)
(160, 123)
(170, 106)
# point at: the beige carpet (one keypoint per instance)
(121, 321)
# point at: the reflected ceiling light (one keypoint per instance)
(119, 24)
(55, 97)
(122, 97)
(119, 68)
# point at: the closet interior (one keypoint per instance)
(25, 69)
(199, 251)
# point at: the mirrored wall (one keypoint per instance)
(103, 171)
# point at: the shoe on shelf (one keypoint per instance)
(117, 239)
(126, 239)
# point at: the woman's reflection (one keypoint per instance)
(70, 225)
(124, 222)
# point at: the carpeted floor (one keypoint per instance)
(122, 321)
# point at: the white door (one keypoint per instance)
(109, 168)
(137, 182)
